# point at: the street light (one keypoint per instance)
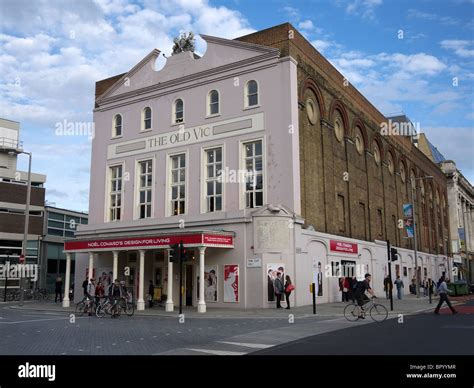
(27, 215)
(413, 184)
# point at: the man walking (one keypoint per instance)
(279, 289)
(443, 296)
(387, 286)
(400, 286)
(58, 288)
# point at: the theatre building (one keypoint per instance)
(259, 159)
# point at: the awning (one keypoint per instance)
(155, 241)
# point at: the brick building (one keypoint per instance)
(329, 186)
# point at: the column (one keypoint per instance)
(202, 300)
(66, 301)
(141, 301)
(169, 292)
(91, 265)
(115, 265)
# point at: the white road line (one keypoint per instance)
(217, 352)
(34, 320)
(247, 345)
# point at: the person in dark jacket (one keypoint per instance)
(58, 288)
(85, 283)
(443, 296)
(288, 289)
(116, 292)
(279, 290)
(151, 293)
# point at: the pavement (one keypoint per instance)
(39, 328)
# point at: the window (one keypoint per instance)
(376, 153)
(146, 117)
(359, 141)
(338, 127)
(213, 171)
(341, 213)
(363, 218)
(380, 223)
(178, 111)
(390, 163)
(213, 103)
(178, 184)
(402, 172)
(252, 93)
(115, 206)
(145, 182)
(253, 160)
(311, 111)
(117, 130)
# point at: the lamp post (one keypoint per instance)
(27, 218)
(7, 260)
(413, 184)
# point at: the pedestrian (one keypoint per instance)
(91, 295)
(352, 288)
(279, 290)
(341, 288)
(116, 292)
(58, 288)
(425, 286)
(289, 287)
(99, 292)
(387, 286)
(85, 283)
(400, 286)
(151, 292)
(443, 295)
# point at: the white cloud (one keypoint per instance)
(306, 25)
(460, 47)
(416, 63)
(364, 8)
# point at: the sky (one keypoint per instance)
(414, 57)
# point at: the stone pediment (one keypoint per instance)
(273, 211)
(221, 55)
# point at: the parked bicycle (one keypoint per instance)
(86, 305)
(378, 312)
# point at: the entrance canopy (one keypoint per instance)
(155, 241)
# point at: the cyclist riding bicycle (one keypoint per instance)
(362, 288)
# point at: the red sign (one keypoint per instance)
(146, 242)
(22, 259)
(342, 246)
(218, 239)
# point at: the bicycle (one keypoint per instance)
(377, 312)
(84, 305)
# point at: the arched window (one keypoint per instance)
(377, 156)
(178, 111)
(251, 91)
(311, 111)
(390, 163)
(117, 129)
(402, 172)
(359, 141)
(213, 103)
(338, 126)
(146, 118)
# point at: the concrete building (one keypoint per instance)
(13, 190)
(320, 187)
(59, 225)
(461, 218)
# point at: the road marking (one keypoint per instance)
(247, 345)
(218, 352)
(35, 320)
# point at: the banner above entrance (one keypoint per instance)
(198, 239)
(342, 246)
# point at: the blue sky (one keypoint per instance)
(402, 55)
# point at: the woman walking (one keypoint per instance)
(288, 288)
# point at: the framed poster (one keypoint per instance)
(210, 283)
(231, 283)
(272, 271)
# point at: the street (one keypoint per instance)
(419, 334)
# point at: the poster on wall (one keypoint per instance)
(231, 283)
(105, 275)
(210, 283)
(408, 219)
(318, 276)
(272, 270)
